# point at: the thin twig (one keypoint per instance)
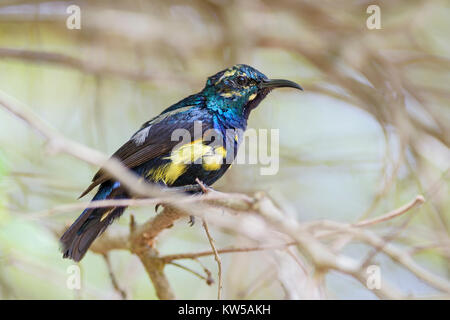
(90, 66)
(206, 270)
(114, 282)
(180, 256)
(265, 278)
(390, 215)
(216, 257)
(207, 279)
(202, 185)
(395, 253)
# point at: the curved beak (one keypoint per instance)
(279, 83)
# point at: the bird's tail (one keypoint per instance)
(91, 223)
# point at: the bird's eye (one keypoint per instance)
(242, 81)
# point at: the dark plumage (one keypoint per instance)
(153, 153)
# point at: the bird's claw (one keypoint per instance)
(158, 205)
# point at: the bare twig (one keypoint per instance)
(114, 282)
(390, 215)
(216, 257)
(210, 279)
(169, 258)
(395, 253)
(90, 66)
(207, 279)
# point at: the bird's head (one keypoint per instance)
(240, 89)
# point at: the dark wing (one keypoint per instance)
(154, 139)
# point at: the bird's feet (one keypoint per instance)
(199, 187)
(193, 188)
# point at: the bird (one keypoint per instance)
(221, 107)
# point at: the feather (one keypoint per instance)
(158, 140)
(91, 223)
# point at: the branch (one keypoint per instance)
(390, 215)
(395, 253)
(141, 243)
(114, 282)
(216, 257)
(207, 279)
(91, 66)
(180, 256)
(234, 201)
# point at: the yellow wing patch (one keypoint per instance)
(215, 160)
(167, 173)
(220, 150)
(210, 157)
(189, 152)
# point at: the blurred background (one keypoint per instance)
(369, 133)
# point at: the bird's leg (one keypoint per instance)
(200, 187)
(188, 189)
(157, 207)
(191, 220)
(204, 189)
(191, 188)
